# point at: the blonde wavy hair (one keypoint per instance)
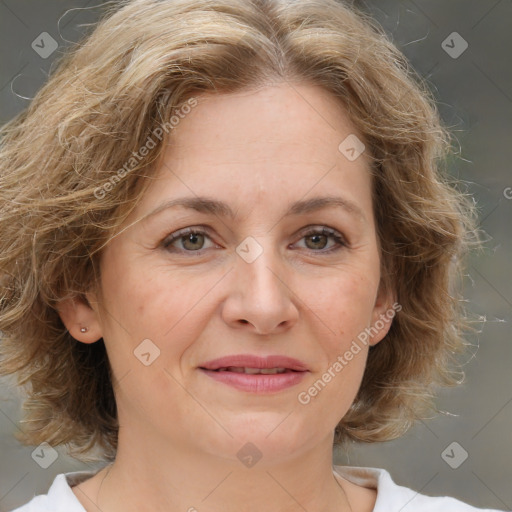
(145, 59)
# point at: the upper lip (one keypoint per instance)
(253, 361)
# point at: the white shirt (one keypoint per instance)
(390, 496)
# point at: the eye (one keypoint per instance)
(317, 240)
(193, 240)
(190, 239)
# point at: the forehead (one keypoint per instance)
(271, 115)
(277, 143)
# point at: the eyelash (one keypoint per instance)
(340, 240)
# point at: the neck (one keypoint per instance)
(172, 479)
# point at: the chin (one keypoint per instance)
(269, 437)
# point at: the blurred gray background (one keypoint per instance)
(473, 86)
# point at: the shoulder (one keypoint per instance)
(391, 496)
(60, 497)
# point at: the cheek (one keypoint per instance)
(345, 308)
(165, 307)
(343, 304)
(161, 307)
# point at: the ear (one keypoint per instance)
(384, 311)
(76, 314)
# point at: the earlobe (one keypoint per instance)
(80, 320)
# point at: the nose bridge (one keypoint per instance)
(259, 267)
(260, 296)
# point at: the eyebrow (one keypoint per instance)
(213, 206)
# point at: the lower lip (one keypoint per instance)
(257, 383)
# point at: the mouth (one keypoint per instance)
(254, 371)
(255, 374)
(253, 364)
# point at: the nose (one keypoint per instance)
(261, 297)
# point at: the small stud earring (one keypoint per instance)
(83, 329)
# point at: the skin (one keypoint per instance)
(180, 430)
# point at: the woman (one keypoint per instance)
(227, 243)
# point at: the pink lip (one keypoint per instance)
(256, 383)
(251, 361)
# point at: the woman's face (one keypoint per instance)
(257, 280)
